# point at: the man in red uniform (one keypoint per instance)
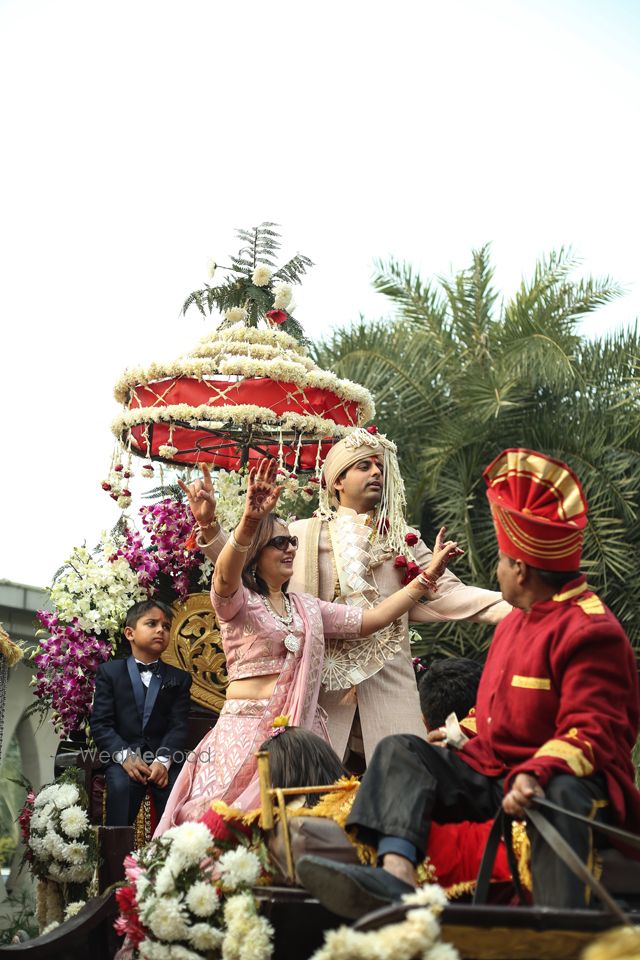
(557, 711)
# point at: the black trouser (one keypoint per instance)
(409, 783)
(125, 795)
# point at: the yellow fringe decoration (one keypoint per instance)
(12, 652)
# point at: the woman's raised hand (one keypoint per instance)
(262, 491)
(443, 552)
(201, 497)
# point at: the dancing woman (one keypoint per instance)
(274, 646)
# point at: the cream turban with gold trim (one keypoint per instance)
(358, 446)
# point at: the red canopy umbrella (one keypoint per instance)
(242, 394)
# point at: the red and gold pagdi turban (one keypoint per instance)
(539, 509)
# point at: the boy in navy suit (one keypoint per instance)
(140, 715)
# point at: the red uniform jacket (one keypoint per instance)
(559, 694)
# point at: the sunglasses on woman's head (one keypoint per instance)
(282, 542)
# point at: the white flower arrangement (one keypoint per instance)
(418, 935)
(61, 842)
(96, 591)
(261, 275)
(177, 886)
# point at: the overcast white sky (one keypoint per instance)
(137, 134)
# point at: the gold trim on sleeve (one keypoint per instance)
(572, 756)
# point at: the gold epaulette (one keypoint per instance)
(592, 606)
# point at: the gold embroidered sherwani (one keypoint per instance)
(387, 696)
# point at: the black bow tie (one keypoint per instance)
(148, 667)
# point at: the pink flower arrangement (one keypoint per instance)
(67, 660)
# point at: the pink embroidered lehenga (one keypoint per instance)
(223, 765)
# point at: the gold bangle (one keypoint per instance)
(241, 548)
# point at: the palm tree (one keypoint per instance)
(459, 374)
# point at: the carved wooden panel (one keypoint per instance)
(195, 646)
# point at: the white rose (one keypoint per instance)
(202, 899)
(261, 275)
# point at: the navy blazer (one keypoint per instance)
(123, 717)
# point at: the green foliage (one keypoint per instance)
(18, 921)
(458, 374)
(260, 246)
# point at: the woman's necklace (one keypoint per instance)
(291, 642)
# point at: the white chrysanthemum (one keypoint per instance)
(80, 874)
(238, 909)
(205, 937)
(74, 821)
(37, 845)
(66, 796)
(37, 823)
(442, 951)
(261, 275)
(236, 314)
(46, 795)
(168, 920)
(239, 867)
(256, 944)
(76, 853)
(142, 885)
(73, 908)
(165, 879)
(202, 899)
(56, 872)
(54, 845)
(191, 841)
(50, 926)
(430, 895)
(282, 295)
